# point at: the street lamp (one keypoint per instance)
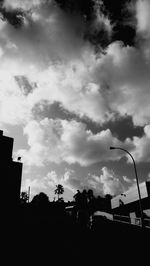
(140, 201)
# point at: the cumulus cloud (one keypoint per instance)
(52, 178)
(61, 140)
(36, 185)
(126, 72)
(101, 19)
(142, 10)
(47, 59)
(43, 142)
(25, 5)
(46, 35)
(68, 180)
(48, 182)
(127, 180)
(50, 52)
(141, 151)
(116, 83)
(111, 184)
(14, 106)
(105, 183)
(143, 17)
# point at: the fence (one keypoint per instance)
(147, 222)
(134, 221)
(121, 218)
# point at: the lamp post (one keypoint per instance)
(140, 201)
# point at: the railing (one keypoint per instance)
(135, 221)
(121, 218)
(147, 222)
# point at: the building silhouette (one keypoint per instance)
(127, 203)
(10, 176)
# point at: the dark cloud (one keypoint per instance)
(123, 127)
(121, 17)
(117, 12)
(55, 111)
(13, 17)
(84, 7)
(83, 11)
(88, 12)
(24, 84)
(74, 103)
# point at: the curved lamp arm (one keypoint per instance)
(140, 201)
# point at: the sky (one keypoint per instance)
(74, 80)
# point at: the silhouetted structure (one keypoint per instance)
(126, 204)
(24, 197)
(11, 173)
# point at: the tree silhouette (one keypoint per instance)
(40, 199)
(82, 198)
(108, 196)
(90, 195)
(24, 197)
(77, 196)
(81, 208)
(59, 190)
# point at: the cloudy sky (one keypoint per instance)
(74, 80)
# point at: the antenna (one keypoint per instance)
(28, 193)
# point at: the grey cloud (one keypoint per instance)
(23, 5)
(98, 88)
(111, 184)
(47, 35)
(141, 152)
(70, 141)
(24, 85)
(105, 183)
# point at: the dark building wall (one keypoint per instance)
(148, 188)
(6, 147)
(10, 176)
(11, 181)
(126, 209)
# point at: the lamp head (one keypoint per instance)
(112, 148)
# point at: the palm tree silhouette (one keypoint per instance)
(59, 190)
